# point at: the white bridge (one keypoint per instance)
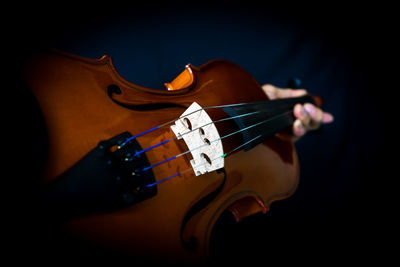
(202, 139)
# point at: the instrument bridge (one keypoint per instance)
(201, 136)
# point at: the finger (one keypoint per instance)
(274, 92)
(327, 117)
(315, 115)
(285, 93)
(301, 114)
(270, 90)
(298, 128)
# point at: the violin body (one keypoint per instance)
(85, 101)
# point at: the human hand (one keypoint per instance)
(308, 116)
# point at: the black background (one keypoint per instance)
(333, 47)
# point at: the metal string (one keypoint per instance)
(213, 122)
(188, 169)
(169, 122)
(218, 139)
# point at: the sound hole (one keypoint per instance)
(113, 89)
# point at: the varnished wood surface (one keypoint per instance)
(72, 94)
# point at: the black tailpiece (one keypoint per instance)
(107, 178)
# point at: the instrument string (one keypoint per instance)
(190, 131)
(188, 169)
(181, 117)
(218, 139)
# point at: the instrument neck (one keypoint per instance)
(271, 117)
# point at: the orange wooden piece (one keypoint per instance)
(72, 93)
(183, 80)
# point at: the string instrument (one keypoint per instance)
(149, 171)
